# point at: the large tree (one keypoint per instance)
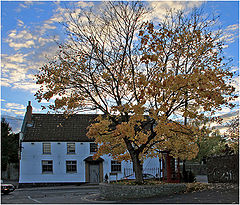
(141, 76)
(9, 145)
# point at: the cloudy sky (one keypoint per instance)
(30, 29)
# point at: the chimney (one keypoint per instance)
(29, 113)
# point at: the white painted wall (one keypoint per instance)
(31, 163)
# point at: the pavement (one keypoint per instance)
(202, 178)
(88, 193)
(67, 187)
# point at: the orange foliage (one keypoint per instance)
(178, 72)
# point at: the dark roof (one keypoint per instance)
(58, 127)
(90, 159)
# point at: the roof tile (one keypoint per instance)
(58, 127)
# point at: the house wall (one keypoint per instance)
(31, 163)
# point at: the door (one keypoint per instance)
(94, 173)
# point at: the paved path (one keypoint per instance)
(89, 194)
(51, 195)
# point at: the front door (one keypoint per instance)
(94, 173)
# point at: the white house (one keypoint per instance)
(55, 149)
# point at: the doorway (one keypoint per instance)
(94, 170)
(94, 173)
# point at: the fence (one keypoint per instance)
(154, 171)
(223, 169)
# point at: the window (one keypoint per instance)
(46, 148)
(71, 166)
(93, 147)
(115, 166)
(47, 166)
(70, 148)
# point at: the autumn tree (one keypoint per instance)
(232, 134)
(141, 76)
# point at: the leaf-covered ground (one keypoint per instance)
(191, 187)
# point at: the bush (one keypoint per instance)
(197, 186)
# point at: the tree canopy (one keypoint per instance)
(144, 77)
(9, 145)
(232, 134)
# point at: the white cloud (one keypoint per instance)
(47, 26)
(235, 83)
(15, 106)
(230, 34)
(26, 85)
(160, 7)
(226, 117)
(20, 23)
(26, 4)
(18, 58)
(5, 82)
(44, 41)
(17, 46)
(84, 4)
(17, 112)
(233, 27)
(23, 34)
(235, 69)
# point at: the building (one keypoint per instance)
(55, 149)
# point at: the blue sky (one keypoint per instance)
(28, 30)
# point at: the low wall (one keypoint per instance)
(223, 169)
(120, 192)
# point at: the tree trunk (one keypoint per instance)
(169, 168)
(184, 171)
(137, 168)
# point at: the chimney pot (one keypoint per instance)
(29, 113)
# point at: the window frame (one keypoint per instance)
(49, 165)
(93, 148)
(69, 146)
(114, 164)
(69, 163)
(45, 148)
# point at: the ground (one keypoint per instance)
(89, 194)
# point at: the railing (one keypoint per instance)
(154, 171)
